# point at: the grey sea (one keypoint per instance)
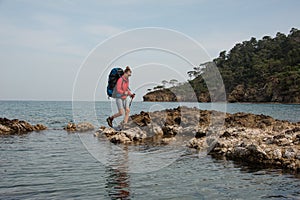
(55, 164)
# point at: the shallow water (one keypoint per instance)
(54, 164)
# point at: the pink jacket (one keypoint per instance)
(122, 87)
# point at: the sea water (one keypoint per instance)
(55, 164)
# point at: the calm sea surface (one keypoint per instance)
(54, 164)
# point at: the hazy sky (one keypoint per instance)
(44, 43)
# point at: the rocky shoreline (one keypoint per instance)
(254, 139)
(17, 127)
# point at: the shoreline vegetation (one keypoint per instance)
(254, 71)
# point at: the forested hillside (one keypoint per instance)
(265, 70)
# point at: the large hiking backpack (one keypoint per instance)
(113, 77)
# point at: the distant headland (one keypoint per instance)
(265, 70)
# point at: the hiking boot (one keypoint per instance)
(109, 121)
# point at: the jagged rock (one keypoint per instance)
(124, 136)
(197, 143)
(142, 119)
(38, 127)
(171, 130)
(156, 130)
(4, 129)
(277, 154)
(80, 127)
(120, 137)
(84, 126)
(15, 126)
(255, 139)
(289, 153)
(70, 127)
(135, 134)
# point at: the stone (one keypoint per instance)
(157, 130)
(15, 126)
(135, 134)
(277, 154)
(84, 126)
(171, 130)
(4, 129)
(120, 138)
(289, 153)
(70, 127)
(80, 127)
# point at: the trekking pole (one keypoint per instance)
(130, 102)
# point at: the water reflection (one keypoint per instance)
(118, 179)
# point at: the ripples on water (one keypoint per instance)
(53, 164)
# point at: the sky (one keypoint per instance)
(64, 50)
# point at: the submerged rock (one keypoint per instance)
(15, 126)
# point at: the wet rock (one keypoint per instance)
(168, 140)
(196, 143)
(38, 127)
(119, 137)
(156, 130)
(289, 153)
(80, 127)
(277, 154)
(124, 136)
(70, 127)
(142, 119)
(84, 126)
(15, 126)
(135, 134)
(255, 139)
(171, 130)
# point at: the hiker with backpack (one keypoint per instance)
(118, 87)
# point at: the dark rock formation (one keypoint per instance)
(15, 126)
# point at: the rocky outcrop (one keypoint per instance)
(80, 127)
(256, 146)
(15, 126)
(160, 95)
(268, 92)
(254, 139)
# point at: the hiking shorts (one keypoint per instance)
(122, 104)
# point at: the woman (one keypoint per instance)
(122, 97)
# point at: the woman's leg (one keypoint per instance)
(127, 109)
(119, 103)
(120, 112)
